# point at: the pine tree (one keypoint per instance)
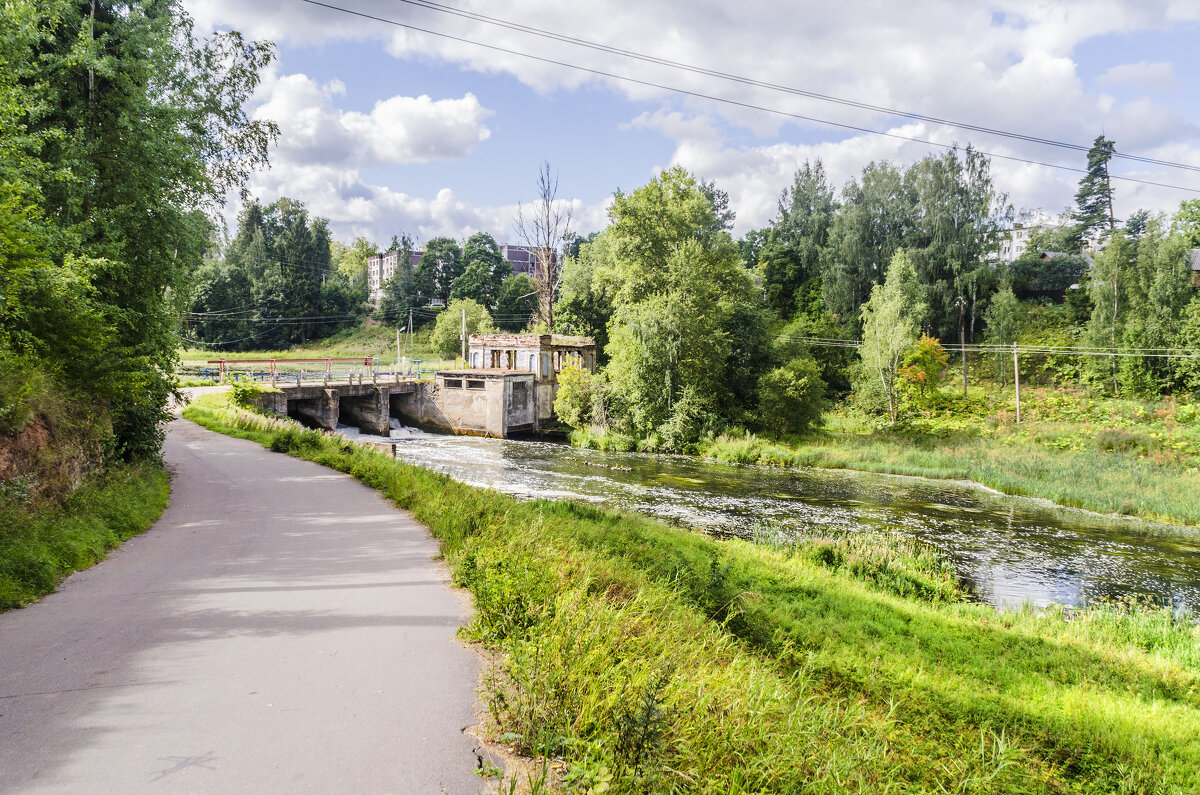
(1093, 200)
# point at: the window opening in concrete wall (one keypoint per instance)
(495, 365)
(475, 360)
(518, 399)
(453, 383)
(533, 362)
(474, 385)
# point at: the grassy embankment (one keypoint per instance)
(657, 659)
(1100, 454)
(40, 546)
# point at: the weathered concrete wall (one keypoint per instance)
(365, 405)
(370, 412)
(321, 410)
(504, 404)
(458, 410)
(545, 400)
(520, 402)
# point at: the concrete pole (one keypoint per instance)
(464, 336)
(1017, 381)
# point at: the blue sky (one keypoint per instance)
(386, 130)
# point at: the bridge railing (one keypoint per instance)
(324, 373)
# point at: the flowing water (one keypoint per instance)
(1007, 550)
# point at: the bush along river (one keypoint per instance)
(1007, 550)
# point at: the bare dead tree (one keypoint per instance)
(544, 227)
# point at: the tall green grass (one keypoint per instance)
(651, 659)
(39, 547)
(1086, 478)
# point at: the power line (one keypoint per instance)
(727, 101)
(701, 70)
(1030, 350)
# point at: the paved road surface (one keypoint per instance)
(280, 629)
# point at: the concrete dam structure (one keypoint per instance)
(508, 388)
(477, 403)
(366, 405)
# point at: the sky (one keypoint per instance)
(387, 130)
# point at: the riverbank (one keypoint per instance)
(1121, 457)
(660, 659)
(40, 547)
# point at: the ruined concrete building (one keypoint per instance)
(508, 387)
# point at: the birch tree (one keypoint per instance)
(545, 227)
(890, 319)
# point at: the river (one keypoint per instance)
(1007, 550)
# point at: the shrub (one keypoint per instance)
(580, 399)
(447, 330)
(246, 393)
(791, 398)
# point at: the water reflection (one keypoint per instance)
(1007, 550)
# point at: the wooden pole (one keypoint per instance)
(1017, 381)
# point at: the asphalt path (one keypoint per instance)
(280, 629)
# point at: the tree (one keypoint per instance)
(890, 320)
(1186, 222)
(1094, 200)
(957, 223)
(477, 283)
(1003, 322)
(1186, 371)
(126, 129)
(924, 363)
(584, 305)
(441, 263)
(792, 256)
(791, 398)
(401, 292)
(579, 401)
(1158, 290)
(351, 262)
(282, 260)
(750, 245)
(1110, 275)
(678, 292)
(1035, 273)
(446, 338)
(482, 247)
(517, 304)
(545, 227)
(866, 233)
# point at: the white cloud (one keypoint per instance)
(1011, 65)
(355, 207)
(1159, 76)
(397, 130)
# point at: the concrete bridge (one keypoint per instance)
(368, 405)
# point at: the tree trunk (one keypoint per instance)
(962, 343)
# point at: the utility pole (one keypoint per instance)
(464, 336)
(962, 340)
(1017, 381)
